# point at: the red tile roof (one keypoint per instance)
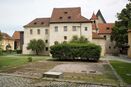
(105, 28)
(60, 15)
(16, 34)
(94, 27)
(39, 22)
(94, 17)
(67, 15)
(6, 36)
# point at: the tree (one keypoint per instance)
(36, 45)
(0, 36)
(75, 39)
(120, 30)
(0, 42)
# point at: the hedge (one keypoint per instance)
(72, 51)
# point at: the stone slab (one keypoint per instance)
(53, 74)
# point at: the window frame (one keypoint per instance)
(38, 31)
(31, 31)
(86, 28)
(65, 28)
(74, 28)
(46, 31)
(65, 37)
(56, 29)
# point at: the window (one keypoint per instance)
(65, 12)
(86, 39)
(69, 17)
(46, 31)
(86, 28)
(74, 28)
(46, 41)
(107, 28)
(35, 23)
(46, 49)
(42, 22)
(65, 28)
(65, 37)
(38, 31)
(94, 21)
(56, 28)
(31, 31)
(60, 17)
(105, 37)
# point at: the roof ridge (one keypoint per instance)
(66, 7)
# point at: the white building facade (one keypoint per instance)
(62, 26)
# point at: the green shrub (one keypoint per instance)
(1, 51)
(29, 59)
(83, 51)
(19, 51)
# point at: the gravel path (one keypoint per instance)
(79, 68)
(119, 58)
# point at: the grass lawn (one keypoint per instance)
(10, 61)
(123, 69)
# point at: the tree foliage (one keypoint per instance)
(0, 43)
(36, 45)
(75, 39)
(0, 36)
(120, 31)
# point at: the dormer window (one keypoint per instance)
(35, 23)
(65, 12)
(69, 17)
(42, 22)
(107, 28)
(60, 17)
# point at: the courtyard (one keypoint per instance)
(76, 72)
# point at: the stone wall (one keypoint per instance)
(129, 43)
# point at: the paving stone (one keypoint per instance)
(16, 81)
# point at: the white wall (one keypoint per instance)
(56, 36)
(59, 36)
(34, 35)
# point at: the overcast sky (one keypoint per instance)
(17, 13)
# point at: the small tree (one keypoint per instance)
(56, 42)
(36, 45)
(75, 39)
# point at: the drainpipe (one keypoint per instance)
(80, 30)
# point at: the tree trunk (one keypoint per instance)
(37, 52)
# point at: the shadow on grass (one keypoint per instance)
(74, 60)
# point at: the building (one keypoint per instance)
(129, 43)
(63, 24)
(18, 37)
(7, 42)
(103, 29)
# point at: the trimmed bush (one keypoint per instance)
(72, 51)
(29, 59)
